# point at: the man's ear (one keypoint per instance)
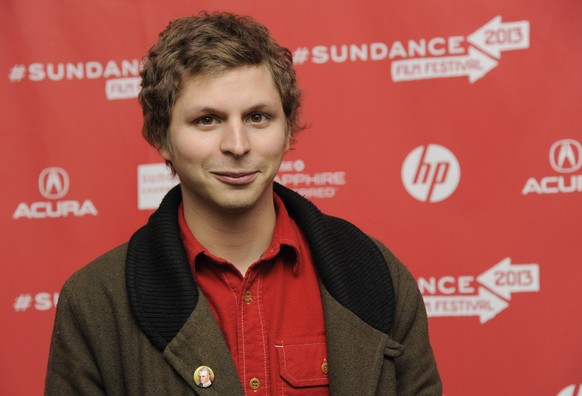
(287, 141)
(165, 153)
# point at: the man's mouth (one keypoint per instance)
(236, 178)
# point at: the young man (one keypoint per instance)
(234, 273)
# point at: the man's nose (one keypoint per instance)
(235, 139)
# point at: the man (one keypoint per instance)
(204, 379)
(233, 272)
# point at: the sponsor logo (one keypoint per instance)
(471, 56)
(153, 182)
(53, 184)
(323, 185)
(42, 301)
(431, 173)
(122, 77)
(571, 390)
(484, 296)
(565, 158)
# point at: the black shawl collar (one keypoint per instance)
(162, 292)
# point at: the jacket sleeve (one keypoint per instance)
(416, 368)
(72, 370)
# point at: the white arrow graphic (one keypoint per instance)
(474, 65)
(505, 278)
(496, 36)
(485, 305)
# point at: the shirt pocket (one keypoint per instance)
(303, 367)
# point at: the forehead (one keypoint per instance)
(238, 84)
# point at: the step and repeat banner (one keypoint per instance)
(450, 130)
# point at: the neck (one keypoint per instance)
(240, 237)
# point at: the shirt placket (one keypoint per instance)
(253, 342)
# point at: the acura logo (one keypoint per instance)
(53, 183)
(566, 155)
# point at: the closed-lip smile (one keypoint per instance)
(238, 178)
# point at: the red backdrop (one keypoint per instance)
(450, 130)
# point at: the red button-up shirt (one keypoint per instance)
(272, 317)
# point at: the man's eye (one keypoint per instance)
(258, 118)
(206, 120)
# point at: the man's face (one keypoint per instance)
(203, 376)
(227, 138)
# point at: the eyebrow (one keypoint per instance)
(263, 106)
(195, 111)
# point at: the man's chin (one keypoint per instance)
(239, 202)
(234, 206)
(233, 199)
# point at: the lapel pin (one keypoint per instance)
(203, 376)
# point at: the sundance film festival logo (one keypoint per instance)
(565, 156)
(42, 301)
(431, 173)
(122, 77)
(53, 184)
(471, 56)
(483, 296)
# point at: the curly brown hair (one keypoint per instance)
(207, 44)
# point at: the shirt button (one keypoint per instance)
(248, 296)
(325, 367)
(254, 383)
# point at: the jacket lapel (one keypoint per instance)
(354, 349)
(200, 343)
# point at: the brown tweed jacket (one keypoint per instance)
(115, 336)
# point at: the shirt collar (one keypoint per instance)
(286, 233)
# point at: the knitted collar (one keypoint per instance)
(349, 264)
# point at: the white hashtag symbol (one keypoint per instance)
(300, 55)
(22, 302)
(17, 73)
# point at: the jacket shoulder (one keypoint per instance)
(103, 275)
